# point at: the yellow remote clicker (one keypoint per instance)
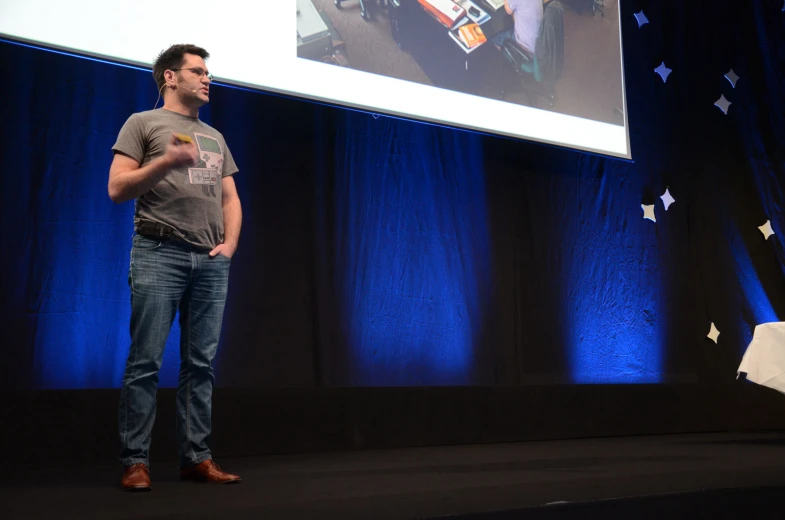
(184, 138)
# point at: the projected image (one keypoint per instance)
(545, 71)
(562, 56)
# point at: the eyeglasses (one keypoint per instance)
(199, 72)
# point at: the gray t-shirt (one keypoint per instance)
(528, 19)
(186, 199)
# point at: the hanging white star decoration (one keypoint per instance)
(663, 71)
(667, 199)
(714, 333)
(723, 104)
(732, 78)
(641, 18)
(766, 230)
(648, 212)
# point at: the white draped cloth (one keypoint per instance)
(764, 360)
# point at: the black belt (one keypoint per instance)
(148, 228)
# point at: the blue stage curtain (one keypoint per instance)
(409, 252)
(378, 251)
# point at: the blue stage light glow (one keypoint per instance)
(613, 308)
(412, 239)
(755, 297)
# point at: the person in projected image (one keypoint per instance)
(186, 228)
(527, 17)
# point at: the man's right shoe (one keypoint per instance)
(136, 478)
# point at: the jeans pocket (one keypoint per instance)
(144, 243)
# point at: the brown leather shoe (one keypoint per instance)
(208, 471)
(136, 478)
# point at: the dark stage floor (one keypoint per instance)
(665, 476)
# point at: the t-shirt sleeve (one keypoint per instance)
(229, 167)
(131, 140)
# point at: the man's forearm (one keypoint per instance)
(233, 220)
(129, 185)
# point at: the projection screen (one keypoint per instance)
(550, 72)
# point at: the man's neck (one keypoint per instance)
(174, 105)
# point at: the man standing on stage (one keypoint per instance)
(187, 225)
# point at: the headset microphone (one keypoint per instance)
(193, 90)
(176, 85)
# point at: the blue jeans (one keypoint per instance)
(166, 276)
(498, 40)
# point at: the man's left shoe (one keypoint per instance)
(208, 471)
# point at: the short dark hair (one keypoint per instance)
(172, 58)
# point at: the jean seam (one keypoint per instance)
(136, 352)
(188, 382)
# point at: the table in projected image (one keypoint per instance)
(445, 63)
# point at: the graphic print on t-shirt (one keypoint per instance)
(207, 171)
